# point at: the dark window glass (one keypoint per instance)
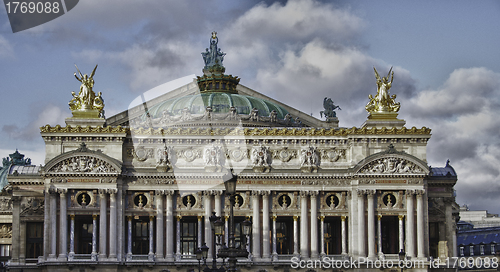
(34, 239)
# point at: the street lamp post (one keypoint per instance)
(232, 252)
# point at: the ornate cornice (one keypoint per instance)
(79, 129)
(281, 131)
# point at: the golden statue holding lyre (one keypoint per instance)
(383, 102)
(86, 104)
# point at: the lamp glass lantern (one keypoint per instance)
(230, 183)
(204, 250)
(218, 227)
(247, 227)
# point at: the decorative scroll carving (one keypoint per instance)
(391, 165)
(238, 154)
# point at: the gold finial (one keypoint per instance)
(214, 35)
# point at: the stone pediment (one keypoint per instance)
(391, 162)
(83, 161)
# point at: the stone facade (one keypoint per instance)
(137, 194)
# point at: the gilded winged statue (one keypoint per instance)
(383, 101)
(86, 98)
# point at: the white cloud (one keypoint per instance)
(463, 114)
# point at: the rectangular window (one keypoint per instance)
(83, 234)
(492, 249)
(461, 251)
(471, 249)
(481, 249)
(140, 235)
(34, 239)
(333, 235)
(189, 227)
(284, 235)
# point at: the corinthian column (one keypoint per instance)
(159, 224)
(401, 235)
(275, 252)
(265, 225)
(256, 224)
(304, 232)
(295, 236)
(379, 229)
(344, 236)
(63, 225)
(208, 213)
(53, 222)
(112, 223)
(322, 235)
(420, 224)
(102, 224)
(361, 223)
(314, 225)
(371, 224)
(170, 227)
(410, 224)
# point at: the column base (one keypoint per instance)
(151, 257)
(71, 256)
(101, 257)
(169, 258)
(177, 257)
(113, 258)
(93, 256)
(314, 255)
(129, 257)
(62, 258)
(52, 258)
(274, 257)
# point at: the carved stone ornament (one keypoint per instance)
(5, 204)
(285, 201)
(390, 200)
(83, 199)
(84, 164)
(6, 231)
(309, 159)
(333, 201)
(164, 156)
(238, 154)
(261, 158)
(189, 201)
(213, 156)
(333, 154)
(241, 201)
(391, 165)
(142, 154)
(189, 154)
(284, 154)
(140, 200)
(33, 206)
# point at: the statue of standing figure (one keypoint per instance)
(214, 55)
(383, 102)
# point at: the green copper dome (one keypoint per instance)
(220, 103)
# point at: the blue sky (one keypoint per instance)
(444, 53)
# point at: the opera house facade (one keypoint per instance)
(135, 191)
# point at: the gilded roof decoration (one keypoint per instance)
(79, 129)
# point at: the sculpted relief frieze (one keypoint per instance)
(84, 164)
(33, 206)
(391, 165)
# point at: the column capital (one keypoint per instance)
(420, 192)
(200, 217)
(226, 217)
(321, 218)
(360, 192)
(103, 191)
(217, 192)
(169, 192)
(178, 217)
(52, 190)
(159, 192)
(129, 218)
(112, 191)
(72, 216)
(255, 193)
(371, 192)
(379, 217)
(265, 192)
(274, 217)
(94, 217)
(304, 193)
(314, 194)
(208, 193)
(151, 218)
(62, 191)
(295, 217)
(410, 192)
(401, 216)
(343, 217)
